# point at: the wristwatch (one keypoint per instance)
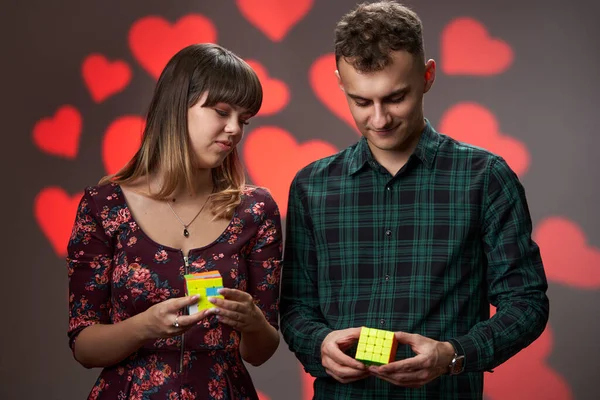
(457, 365)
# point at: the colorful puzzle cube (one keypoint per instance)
(205, 285)
(376, 346)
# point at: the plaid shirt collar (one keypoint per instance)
(425, 151)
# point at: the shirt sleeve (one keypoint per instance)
(265, 258)
(515, 276)
(302, 323)
(89, 264)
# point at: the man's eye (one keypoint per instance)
(361, 104)
(397, 99)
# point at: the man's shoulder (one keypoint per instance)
(335, 165)
(460, 155)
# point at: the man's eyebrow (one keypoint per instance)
(388, 96)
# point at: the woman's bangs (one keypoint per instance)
(238, 85)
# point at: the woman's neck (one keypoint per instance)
(201, 180)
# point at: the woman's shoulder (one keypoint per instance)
(104, 194)
(254, 197)
(257, 193)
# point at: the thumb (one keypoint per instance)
(181, 302)
(406, 338)
(353, 333)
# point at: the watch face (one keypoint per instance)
(458, 364)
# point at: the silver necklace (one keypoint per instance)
(186, 233)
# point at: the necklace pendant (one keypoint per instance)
(185, 232)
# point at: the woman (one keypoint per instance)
(179, 206)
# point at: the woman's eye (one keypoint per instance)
(221, 112)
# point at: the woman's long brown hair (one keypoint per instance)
(165, 145)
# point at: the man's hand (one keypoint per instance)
(431, 361)
(338, 365)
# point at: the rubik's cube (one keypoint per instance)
(376, 346)
(205, 285)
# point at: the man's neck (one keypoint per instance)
(394, 160)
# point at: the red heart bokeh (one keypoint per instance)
(276, 94)
(474, 124)
(568, 258)
(308, 381)
(55, 212)
(467, 49)
(527, 374)
(273, 157)
(325, 86)
(104, 78)
(153, 40)
(121, 140)
(274, 17)
(262, 396)
(59, 135)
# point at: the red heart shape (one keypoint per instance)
(121, 141)
(474, 124)
(262, 396)
(59, 135)
(308, 382)
(55, 212)
(275, 92)
(104, 78)
(527, 375)
(153, 41)
(467, 49)
(325, 86)
(285, 158)
(274, 17)
(568, 258)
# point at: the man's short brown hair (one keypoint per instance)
(367, 35)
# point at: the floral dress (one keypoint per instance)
(116, 272)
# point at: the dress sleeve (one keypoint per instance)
(264, 259)
(516, 280)
(89, 263)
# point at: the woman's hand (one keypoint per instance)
(164, 320)
(238, 311)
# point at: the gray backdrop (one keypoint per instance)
(544, 98)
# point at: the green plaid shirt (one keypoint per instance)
(426, 251)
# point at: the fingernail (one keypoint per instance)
(212, 300)
(195, 297)
(220, 291)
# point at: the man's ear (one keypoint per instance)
(429, 75)
(339, 79)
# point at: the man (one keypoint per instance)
(407, 231)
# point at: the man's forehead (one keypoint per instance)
(373, 84)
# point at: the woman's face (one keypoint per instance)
(214, 131)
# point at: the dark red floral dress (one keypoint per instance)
(116, 271)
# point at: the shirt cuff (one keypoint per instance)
(467, 346)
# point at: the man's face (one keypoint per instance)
(387, 105)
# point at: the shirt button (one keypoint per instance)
(388, 233)
(389, 188)
(387, 277)
(382, 321)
